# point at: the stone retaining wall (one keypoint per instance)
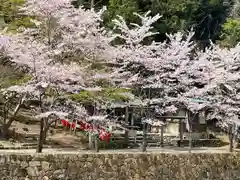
(120, 167)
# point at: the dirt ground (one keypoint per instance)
(29, 133)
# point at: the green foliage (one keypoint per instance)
(13, 80)
(208, 19)
(125, 8)
(84, 97)
(176, 14)
(9, 8)
(107, 94)
(115, 94)
(9, 11)
(21, 80)
(20, 22)
(230, 34)
(205, 16)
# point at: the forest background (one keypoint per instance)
(215, 20)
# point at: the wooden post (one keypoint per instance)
(190, 141)
(180, 132)
(190, 132)
(96, 145)
(90, 140)
(90, 135)
(144, 141)
(126, 131)
(56, 122)
(162, 140)
(75, 127)
(96, 140)
(70, 130)
(132, 117)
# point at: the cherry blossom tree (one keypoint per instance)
(222, 89)
(29, 48)
(154, 66)
(54, 53)
(179, 72)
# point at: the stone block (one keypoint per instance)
(45, 178)
(45, 165)
(32, 171)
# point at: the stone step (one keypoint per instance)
(23, 147)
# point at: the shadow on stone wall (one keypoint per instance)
(120, 167)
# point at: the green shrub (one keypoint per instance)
(107, 94)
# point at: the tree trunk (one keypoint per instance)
(230, 135)
(5, 128)
(92, 4)
(4, 132)
(41, 137)
(45, 131)
(7, 124)
(47, 124)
